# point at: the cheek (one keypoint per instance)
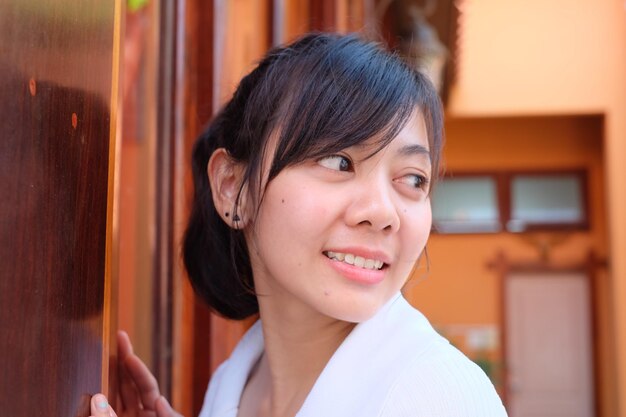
(293, 213)
(304, 207)
(416, 228)
(426, 222)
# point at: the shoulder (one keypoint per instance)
(442, 382)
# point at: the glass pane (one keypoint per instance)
(466, 205)
(546, 199)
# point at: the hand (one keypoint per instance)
(100, 408)
(139, 391)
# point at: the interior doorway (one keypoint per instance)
(549, 348)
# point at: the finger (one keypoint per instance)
(100, 407)
(145, 383)
(124, 346)
(127, 390)
(164, 409)
(138, 385)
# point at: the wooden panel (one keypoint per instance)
(245, 37)
(188, 108)
(136, 173)
(323, 15)
(56, 83)
(296, 19)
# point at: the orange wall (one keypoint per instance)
(615, 167)
(553, 56)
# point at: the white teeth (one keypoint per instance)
(355, 260)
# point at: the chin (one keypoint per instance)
(357, 310)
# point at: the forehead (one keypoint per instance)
(411, 141)
(414, 132)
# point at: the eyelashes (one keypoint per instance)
(342, 163)
(337, 163)
(415, 180)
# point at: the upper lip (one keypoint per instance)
(366, 253)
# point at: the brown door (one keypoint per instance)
(57, 110)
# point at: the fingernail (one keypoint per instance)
(101, 402)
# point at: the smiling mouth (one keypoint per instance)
(359, 261)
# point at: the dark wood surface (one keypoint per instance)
(200, 92)
(55, 89)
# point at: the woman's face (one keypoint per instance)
(340, 235)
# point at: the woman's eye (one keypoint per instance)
(336, 162)
(416, 181)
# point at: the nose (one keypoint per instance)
(372, 206)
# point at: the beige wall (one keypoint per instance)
(524, 57)
(537, 57)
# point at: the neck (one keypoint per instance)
(299, 342)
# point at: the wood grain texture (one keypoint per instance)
(55, 116)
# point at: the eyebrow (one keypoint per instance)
(410, 150)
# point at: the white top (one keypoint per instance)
(392, 365)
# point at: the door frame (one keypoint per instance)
(505, 267)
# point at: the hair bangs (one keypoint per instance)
(341, 96)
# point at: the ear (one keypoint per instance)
(225, 176)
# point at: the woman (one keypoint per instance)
(312, 208)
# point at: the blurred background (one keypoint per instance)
(526, 265)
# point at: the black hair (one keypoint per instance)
(319, 95)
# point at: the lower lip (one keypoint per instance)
(357, 274)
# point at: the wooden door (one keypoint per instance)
(58, 88)
(549, 345)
